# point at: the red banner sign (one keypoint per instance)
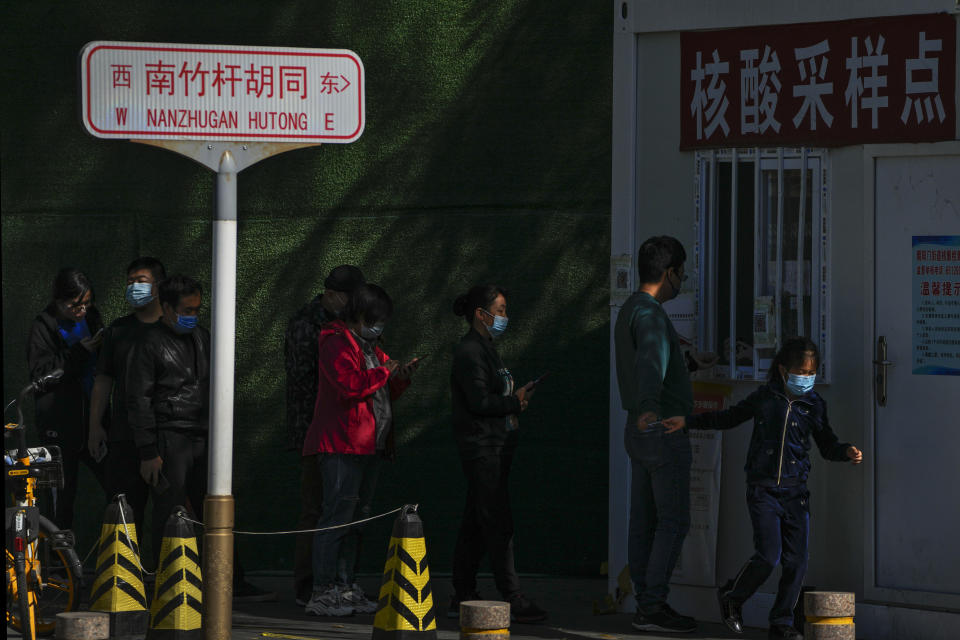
(823, 84)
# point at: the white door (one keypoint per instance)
(916, 557)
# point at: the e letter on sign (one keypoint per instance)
(138, 90)
(824, 84)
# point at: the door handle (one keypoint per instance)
(881, 364)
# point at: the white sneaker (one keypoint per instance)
(354, 596)
(328, 601)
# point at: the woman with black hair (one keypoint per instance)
(352, 429)
(485, 409)
(66, 335)
(785, 412)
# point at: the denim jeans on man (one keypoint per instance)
(348, 485)
(781, 527)
(659, 509)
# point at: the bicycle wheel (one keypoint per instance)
(19, 601)
(58, 589)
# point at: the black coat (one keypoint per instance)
(780, 444)
(168, 385)
(482, 404)
(63, 411)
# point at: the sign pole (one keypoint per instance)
(219, 504)
(283, 99)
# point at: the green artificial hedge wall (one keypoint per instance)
(486, 157)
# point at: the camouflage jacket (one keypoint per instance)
(300, 362)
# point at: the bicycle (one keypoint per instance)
(43, 569)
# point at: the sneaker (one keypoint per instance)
(328, 601)
(249, 592)
(525, 611)
(673, 613)
(730, 611)
(663, 621)
(302, 598)
(784, 632)
(454, 610)
(353, 596)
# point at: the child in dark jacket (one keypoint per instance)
(786, 412)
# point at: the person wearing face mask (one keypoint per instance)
(122, 463)
(786, 412)
(300, 363)
(167, 397)
(654, 382)
(351, 431)
(66, 335)
(486, 406)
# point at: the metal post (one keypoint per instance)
(759, 250)
(778, 300)
(713, 212)
(800, 243)
(218, 505)
(733, 265)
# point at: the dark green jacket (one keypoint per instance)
(651, 370)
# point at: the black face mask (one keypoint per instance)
(676, 289)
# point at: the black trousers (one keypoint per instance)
(122, 474)
(185, 471)
(311, 498)
(781, 528)
(60, 509)
(486, 528)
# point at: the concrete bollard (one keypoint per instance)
(484, 620)
(829, 615)
(83, 625)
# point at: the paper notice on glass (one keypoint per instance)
(764, 319)
(698, 558)
(682, 312)
(936, 305)
(620, 288)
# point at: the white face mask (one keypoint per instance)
(371, 333)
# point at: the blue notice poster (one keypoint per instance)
(936, 305)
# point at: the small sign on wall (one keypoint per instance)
(936, 305)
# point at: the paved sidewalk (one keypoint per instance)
(568, 601)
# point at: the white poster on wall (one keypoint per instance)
(698, 558)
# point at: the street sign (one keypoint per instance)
(143, 90)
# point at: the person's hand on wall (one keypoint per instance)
(854, 454)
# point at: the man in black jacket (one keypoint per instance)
(122, 463)
(168, 391)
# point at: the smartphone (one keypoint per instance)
(541, 379)
(657, 423)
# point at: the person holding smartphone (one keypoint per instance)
(486, 406)
(66, 335)
(351, 432)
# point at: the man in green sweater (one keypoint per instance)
(654, 384)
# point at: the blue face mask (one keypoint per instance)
(499, 324)
(799, 385)
(185, 324)
(139, 294)
(371, 333)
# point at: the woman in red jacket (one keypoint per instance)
(351, 431)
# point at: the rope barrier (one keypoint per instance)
(183, 516)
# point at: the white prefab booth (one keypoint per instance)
(805, 209)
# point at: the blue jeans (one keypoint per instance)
(659, 510)
(781, 528)
(348, 485)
